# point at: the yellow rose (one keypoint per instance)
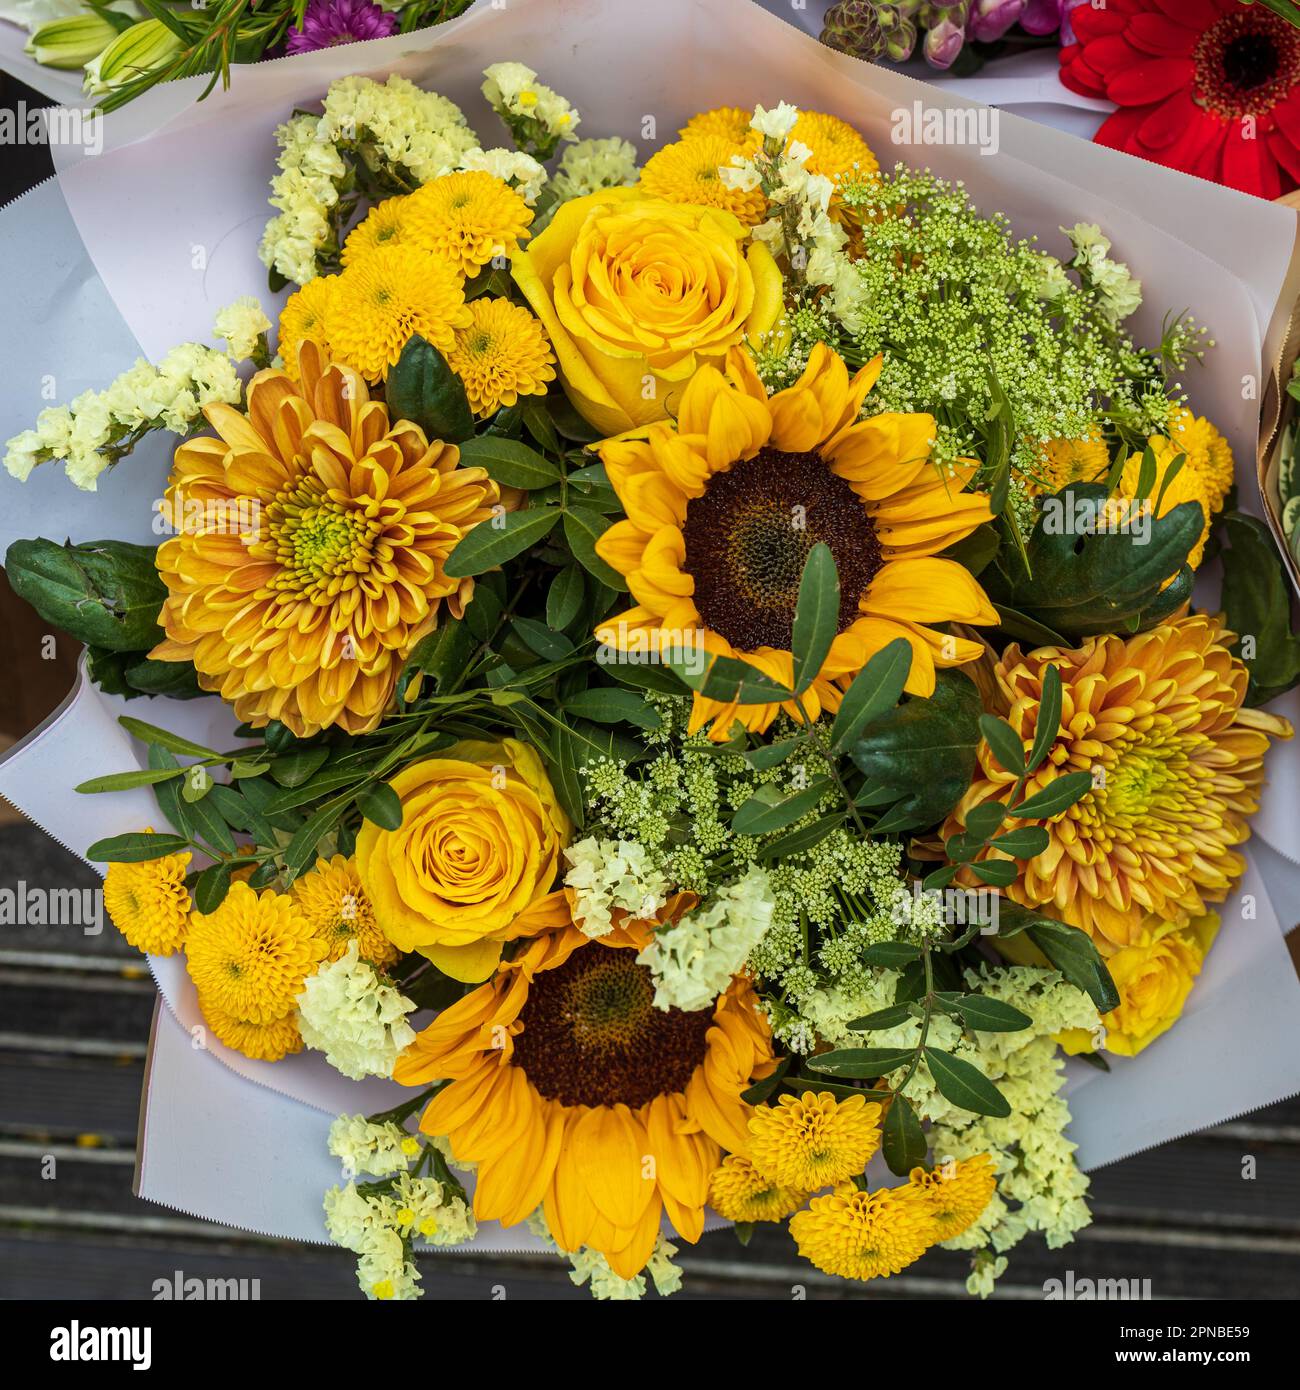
(1154, 976)
(637, 293)
(473, 863)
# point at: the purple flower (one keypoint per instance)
(330, 22)
(943, 43)
(990, 19)
(1043, 16)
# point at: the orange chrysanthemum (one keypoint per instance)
(1177, 763)
(572, 1092)
(724, 504)
(304, 609)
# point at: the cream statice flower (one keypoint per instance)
(590, 165)
(1118, 293)
(612, 874)
(538, 117)
(776, 124)
(693, 961)
(800, 227)
(305, 190)
(592, 1268)
(375, 1149)
(427, 1208)
(243, 326)
(100, 427)
(521, 171)
(348, 1012)
(385, 1270)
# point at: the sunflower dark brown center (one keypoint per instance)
(748, 537)
(592, 1035)
(1246, 64)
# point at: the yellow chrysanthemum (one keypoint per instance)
(384, 225)
(333, 900)
(739, 1192)
(687, 172)
(384, 298)
(1208, 453)
(502, 354)
(956, 1194)
(149, 903)
(304, 316)
(572, 1092)
(724, 504)
(263, 1042)
(1187, 485)
(837, 149)
(305, 610)
(466, 219)
(1064, 461)
(250, 957)
(731, 123)
(864, 1235)
(1157, 721)
(811, 1141)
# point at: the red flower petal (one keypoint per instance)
(1155, 34)
(1078, 76)
(1196, 14)
(1090, 24)
(1248, 165)
(1169, 122)
(1119, 131)
(1149, 82)
(1286, 116)
(1288, 157)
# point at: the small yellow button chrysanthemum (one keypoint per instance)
(466, 219)
(384, 298)
(250, 957)
(263, 1042)
(1208, 453)
(861, 1235)
(1171, 489)
(687, 172)
(810, 1141)
(836, 147)
(727, 122)
(334, 902)
(739, 1192)
(1064, 461)
(957, 1193)
(384, 225)
(149, 903)
(302, 317)
(502, 354)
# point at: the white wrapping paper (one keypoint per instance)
(178, 179)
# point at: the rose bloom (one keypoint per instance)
(1154, 978)
(473, 863)
(636, 294)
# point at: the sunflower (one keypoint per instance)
(333, 900)
(1063, 461)
(466, 219)
(864, 1235)
(812, 1141)
(724, 504)
(958, 1197)
(384, 298)
(502, 354)
(250, 957)
(687, 172)
(571, 1091)
(739, 1192)
(1207, 452)
(149, 903)
(263, 1042)
(1176, 761)
(303, 317)
(386, 224)
(308, 615)
(1169, 489)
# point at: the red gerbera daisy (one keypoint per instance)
(1208, 86)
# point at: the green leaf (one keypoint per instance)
(760, 1090)
(726, 678)
(882, 1018)
(168, 794)
(564, 598)
(796, 841)
(211, 825)
(1071, 951)
(608, 705)
(442, 654)
(1000, 873)
(239, 814)
(772, 809)
(301, 850)
(422, 388)
(926, 746)
(164, 738)
(1256, 602)
(965, 1085)
(984, 819)
(875, 689)
(1024, 842)
(1058, 795)
(890, 955)
(769, 755)
(984, 1014)
(510, 462)
(136, 848)
(860, 1063)
(124, 781)
(902, 1140)
(293, 769)
(211, 887)
(816, 615)
(104, 593)
(492, 543)
(1049, 718)
(1081, 582)
(1004, 743)
(583, 527)
(538, 638)
(381, 806)
(196, 784)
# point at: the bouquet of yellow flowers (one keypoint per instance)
(717, 707)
